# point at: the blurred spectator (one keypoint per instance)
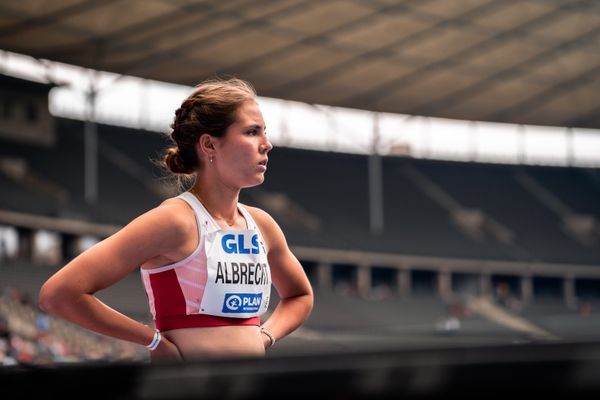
(459, 309)
(506, 298)
(448, 325)
(5, 347)
(585, 308)
(380, 292)
(42, 322)
(30, 336)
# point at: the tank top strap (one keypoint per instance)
(203, 218)
(249, 220)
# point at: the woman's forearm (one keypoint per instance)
(89, 312)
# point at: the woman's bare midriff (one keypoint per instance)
(217, 342)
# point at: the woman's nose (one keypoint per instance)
(266, 146)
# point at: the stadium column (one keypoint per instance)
(324, 278)
(375, 183)
(526, 288)
(91, 148)
(485, 284)
(403, 281)
(569, 291)
(444, 283)
(25, 244)
(570, 146)
(68, 247)
(363, 277)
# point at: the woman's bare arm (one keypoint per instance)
(69, 293)
(289, 279)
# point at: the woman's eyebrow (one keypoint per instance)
(256, 126)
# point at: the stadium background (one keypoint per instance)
(424, 270)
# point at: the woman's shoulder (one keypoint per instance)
(174, 203)
(266, 223)
(261, 217)
(269, 228)
(177, 208)
(173, 215)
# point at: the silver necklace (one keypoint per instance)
(211, 214)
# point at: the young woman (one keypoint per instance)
(207, 261)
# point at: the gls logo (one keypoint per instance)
(242, 302)
(231, 245)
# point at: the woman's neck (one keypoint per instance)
(221, 202)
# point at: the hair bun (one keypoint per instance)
(175, 162)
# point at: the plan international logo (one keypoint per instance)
(242, 302)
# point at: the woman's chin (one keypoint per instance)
(258, 180)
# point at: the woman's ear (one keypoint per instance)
(206, 146)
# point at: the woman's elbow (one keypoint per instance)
(50, 297)
(309, 302)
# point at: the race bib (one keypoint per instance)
(239, 278)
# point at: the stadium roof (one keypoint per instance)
(519, 61)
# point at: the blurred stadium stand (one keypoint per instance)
(448, 226)
(498, 262)
(453, 232)
(48, 181)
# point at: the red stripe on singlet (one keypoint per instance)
(168, 297)
(169, 304)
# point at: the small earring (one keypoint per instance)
(211, 158)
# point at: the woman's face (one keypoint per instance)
(241, 154)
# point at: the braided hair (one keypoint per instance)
(211, 109)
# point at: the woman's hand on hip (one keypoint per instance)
(166, 351)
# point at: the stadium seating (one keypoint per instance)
(321, 198)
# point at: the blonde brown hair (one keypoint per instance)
(211, 109)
